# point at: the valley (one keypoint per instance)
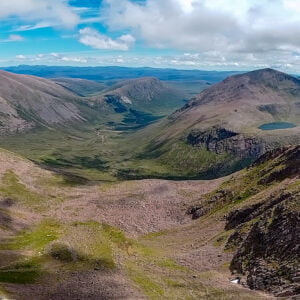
(125, 188)
(217, 132)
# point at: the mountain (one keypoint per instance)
(189, 82)
(79, 231)
(28, 101)
(229, 125)
(81, 87)
(262, 221)
(146, 94)
(248, 100)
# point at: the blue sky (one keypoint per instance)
(189, 34)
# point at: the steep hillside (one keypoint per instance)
(262, 207)
(146, 94)
(228, 125)
(82, 87)
(27, 102)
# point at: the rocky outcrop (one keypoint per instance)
(221, 140)
(266, 236)
(269, 253)
(263, 213)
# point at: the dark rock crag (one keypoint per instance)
(221, 140)
(269, 253)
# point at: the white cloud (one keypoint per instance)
(20, 57)
(73, 59)
(15, 38)
(62, 58)
(54, 58)
(225, 31)
(42, 12)
(91, 37)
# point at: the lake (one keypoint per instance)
(277, 125)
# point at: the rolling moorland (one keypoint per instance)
(123, 188)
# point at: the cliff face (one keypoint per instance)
(263, 219)
(220, 140)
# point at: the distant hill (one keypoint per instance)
(28, 101)
(82, 87)
(146, 94)
(108, 73)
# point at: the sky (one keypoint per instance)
(183, 34)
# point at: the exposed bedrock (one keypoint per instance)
(220, 140)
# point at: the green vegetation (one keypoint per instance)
(12, 188)
(77, 152)
(28, 268)
(19, 276)
(3, 292)
(90, 245)
(191, 161)
(170, 264)
(36, 238)
(221, 239)
(114, 150)
(115, 235)
(27, 271)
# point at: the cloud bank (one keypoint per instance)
(43, 12)
(237, 31)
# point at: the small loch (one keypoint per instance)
(276, 126)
